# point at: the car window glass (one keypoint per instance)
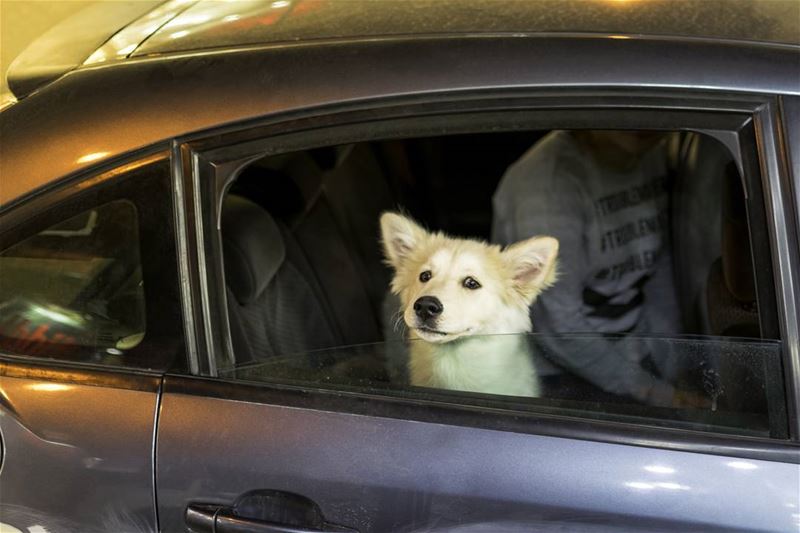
(75, 287)
(89, 272)
(722, 385)
(603, 273)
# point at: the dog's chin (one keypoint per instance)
(436, 336)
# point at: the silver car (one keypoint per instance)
(196, 328)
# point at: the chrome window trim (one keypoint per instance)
(184, 268)
(205, 299)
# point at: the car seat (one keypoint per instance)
(274, 304)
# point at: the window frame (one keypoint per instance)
(96, 187)
(745, 123)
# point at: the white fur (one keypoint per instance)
(492, 364)
(477, 344)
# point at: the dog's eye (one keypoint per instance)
(425, 276)
(471, 283)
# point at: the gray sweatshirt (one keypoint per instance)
(615, 273)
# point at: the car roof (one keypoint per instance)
(214, 24)
(100, 113)
(112, 32)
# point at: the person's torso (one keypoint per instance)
(626, 236)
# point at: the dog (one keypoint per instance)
(465, 303)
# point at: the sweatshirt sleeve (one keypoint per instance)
(554, 203)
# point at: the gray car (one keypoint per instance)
(196, 329)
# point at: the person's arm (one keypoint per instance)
(557, 206)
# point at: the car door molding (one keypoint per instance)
(13, 366)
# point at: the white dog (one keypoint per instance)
(466, 303)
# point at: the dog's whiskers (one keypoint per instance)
(399, 325)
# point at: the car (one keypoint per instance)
(196, 327)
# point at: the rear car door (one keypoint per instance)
(324, 441)
(89, 319)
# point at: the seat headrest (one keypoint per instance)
(252, 246)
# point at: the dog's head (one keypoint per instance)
(454, 287)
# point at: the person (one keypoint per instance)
(605, 196)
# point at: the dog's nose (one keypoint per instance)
(428, 307)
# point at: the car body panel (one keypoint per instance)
(210, 24)
(94, 115)
(77, 451)
(382, 474)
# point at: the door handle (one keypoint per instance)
(261, 511)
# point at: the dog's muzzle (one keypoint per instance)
(428, 308)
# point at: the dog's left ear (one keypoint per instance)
(532, 264)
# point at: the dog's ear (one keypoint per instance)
(400, 235)
(532, 264)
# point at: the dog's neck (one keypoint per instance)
(493, 364)
(511, 322)
(474, 345)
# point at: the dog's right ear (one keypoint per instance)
(400, 236)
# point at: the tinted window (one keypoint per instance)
(617, 266)
(75, 286)
(89, 275)
(723, 385)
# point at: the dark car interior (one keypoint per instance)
(300, 234)
(323, 267)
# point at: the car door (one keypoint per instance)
(320, 442)
(89, 319)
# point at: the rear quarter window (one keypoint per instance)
(75, 286)
(88, 272)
